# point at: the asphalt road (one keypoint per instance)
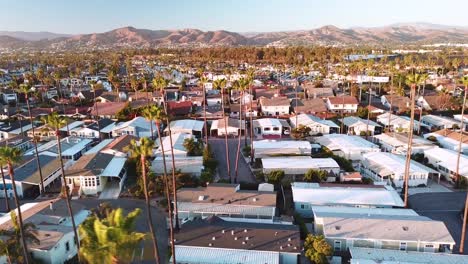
(159, 221)
(444, 207)
(218, 147)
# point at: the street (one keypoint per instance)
(218, 147)
(444, 206)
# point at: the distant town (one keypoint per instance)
(248, 154)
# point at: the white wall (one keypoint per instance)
(58, 253)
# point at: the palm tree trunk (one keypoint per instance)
(42, 189)
(226, 136)
(174, 181)
(239, 141)
(149, 218)
(465, 213)
(410, 145)
(204, 117)
(20, 216)
(97, 115)
(7, 200)
(368, 113)
(168, 196)
(67, 194)
(251, 125)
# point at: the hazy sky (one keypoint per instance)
(87, 16)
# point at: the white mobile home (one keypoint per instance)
(269, 148)
(299, 165)
(349, 147)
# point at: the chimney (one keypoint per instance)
(232, 232)
(213, 238)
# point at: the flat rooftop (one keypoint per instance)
(226, 194)
(217, 233)
(347, 195)
(386, 256)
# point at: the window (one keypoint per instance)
(276, 129)
(98, 181)
(67, 246)
(302, 206)
(403, 246)
(266, 129)
(337, 245)
(429, 248)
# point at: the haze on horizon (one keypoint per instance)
(89, 16)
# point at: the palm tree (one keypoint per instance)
(160, 83)
(11, 156)
(134, 83)
(24, 88)
(7, 201)
(412, 80)
(148, 114)
(114, 80)
(111, 239)
(204, 80)
(55, 122)
(10, 246)
(142, 150)
(158, 116)
(464, 80)
(250, 79)
(239, 85)
(221, 84)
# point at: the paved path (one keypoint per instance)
(218, 147)
(110, 191)
(432, 187)
(442, 206)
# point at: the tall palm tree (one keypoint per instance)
(111, 239)
(203, 81)
(114, 80)
(148, 114)
(412, 80)
(159, 83)
(464, 80)
(142, 150)
(5, 191)
(221, 84)
(158, 116)
(239, 85)
(93, 86)
(11, 156)
(24, 88)
(55, 122)
(250, 79)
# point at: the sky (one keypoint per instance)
(89, 16)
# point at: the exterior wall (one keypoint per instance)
(269, 130)
(58, 254)
(275, 110)
(232, 131)
(288, 258)
(383, 244)
(304, 209)
(86, 183)
(348, 108)
(414, 180)
(19, 189)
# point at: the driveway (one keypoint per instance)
(144, 254)
(218, 147)
(110, 191)
(445, 207)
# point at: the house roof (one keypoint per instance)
(343, 100)
(90, 165)
(448, 159)
(344, 142)
(453, 135)
(179, 107)
(275, 101)
(29, 173)
(226, 194)
(315, 105)
(206, 255)
(15, 125)
(186, 124)
(261, 237)
(107, 109)
(267, 122)
(104, 122)
(385, 163)
(440, 120)
(310, 120)
(395, 228)
(298, 162)
(339, 194)
(362, 255)
(120, 143)
(220, 123)
(351, 121)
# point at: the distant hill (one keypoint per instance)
(32, 36)
(404, 33)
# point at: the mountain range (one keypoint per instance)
(403, 33)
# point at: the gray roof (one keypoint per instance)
(394, 228)
(374, 256)
(29, 172)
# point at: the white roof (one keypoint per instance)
(396, 121)
(350, 121)
(114, 167)
(439, 120)
(386, 163)
(226, 208)
(324, 210)
(311, 120)
(448, 159)
(386, 256)
(77, 145)
(100, 146)
(177, 143)
(401, 140)
(345, 142)
(268, 122)
(278, 144)
(209, 255)
(314, 194)
(298, 162)
(186, 124)
(135, 122)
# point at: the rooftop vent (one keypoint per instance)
(223, 231)
(232, 232)
(281, 247)
(245, 230)
(255, 199)
(247, 238)
(213, 238)
(236, 238)
(201, 197)
(405, 228)
(210, 245)
(337, 227)
(289, 239)
(243, 243)
(276, 233)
